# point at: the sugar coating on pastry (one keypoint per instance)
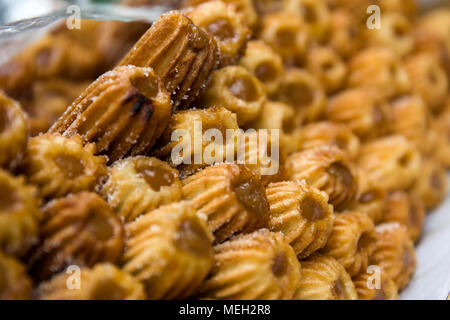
(169, 250)
(140, 184)
(260, 265)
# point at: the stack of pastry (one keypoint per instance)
(363, 120)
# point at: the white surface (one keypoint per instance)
(432, 277)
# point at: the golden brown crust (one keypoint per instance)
(344, 34)
(80, 229)
(407, 209)
(326, 168)
(60, 165)
(260, 265)
(182, 55)
(351, 241)
(19, 214)
(138, 185)
(439, 137)
(231, 196)
(102, 282)
(323, 278)
(15, 284)
(373, 286)
(302, 214)
(13, 132)
(124, 111)
(170, 251)
(394, 253)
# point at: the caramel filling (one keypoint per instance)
(156, 177)
(289, 125)
(192, 238)
(341, 142)
(266, 72)
(280, 265)
(369, 196)
(363, 242)
(338, 290)
(222, 30)
(100, 227)
(286, 37)
(312, 210)
(108, 290)
(244, 89)
(405, 160)
(299, 94)
(341, 173)
(8, 198)
(436, 181)
(309, 13)
(4, 118)
(71, 166)
(407, 259)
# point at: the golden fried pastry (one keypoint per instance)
(330, 133)
(170, 251)
(392, 162)
(411, 118)
(344, 33)
(315, 13)
(328, 66)
(238, 90)
(60, 165)
(225, 25)
(439, 138)
(278, 115)
(124, 111)
(323, 278)
(265, 7)
(19, 214)
(378, 68)
(408, 8)
(394, 253)
(180, 146)
(262, 61)
(80, 229)
(431, 185)
(351, 241)
(303, 91)
(428, 79)
(395, 33)
(16, 77)
(231, 196)
(138, 185)
(302, 214)
(13, 132)
(181, 54)
(260, 265)
(326, 168)
(373, 286)
(15, 284)
(104, 281)
(407, 209)
(287, 34)
(361, 110)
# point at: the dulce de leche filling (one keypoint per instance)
(266, 71)
(338, 289)
(192, 238)
(156, 176)
(4, 118)
(222, 30)
(341, 173)
(100, 226)
(279, 265)
(363, 242)
(312, 209)
(244, 89)
(299, 94)
(71, 165)
(286, 37)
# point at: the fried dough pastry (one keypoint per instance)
(372, 286)
(378, 68)
(170, 251)
(60, 165)
(260, 265)
(16, 77)
(124, 111)
(238, 90)
(351, 241)
(408, 8)
(104, 281)
(326, 168)
(439, 137)
(391, 162)
(225, 25)
(323, 278)
(19, 214)
(394, 253)
(303, 91)
(302, 214)
(138, 185)
(343, 34)
(13, 132)
(407, 209)
(231, 196)
(180, 53)
(361, 110)
(80, 229)
(263, 62)
(330, 133)
(15, 284)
